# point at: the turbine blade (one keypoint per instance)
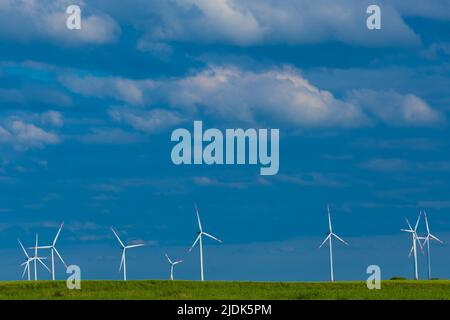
(60, 258)
(57, 234)
(411, 251)
(177, 262)
(117, 236)
(40, 260)
(24, 270)
(121, 260)
(170, 261)
(23, 248)
(195, 242)
(417, 222)
(436, 238)
(212, 237)
(340, 239)
(326, 239)
(330, 228)
(405, 230)
(198, 218)
(426, 222)
(135, 245)
(40, 247)
(409, 225)
(36, 246)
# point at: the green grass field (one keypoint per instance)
(95, 290)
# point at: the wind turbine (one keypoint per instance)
(37, 259)
(199, 239)
(427, 238)
(329, 239)
(123, 261)
(26, 264)
(54, 250)
(415, 240)
(172, 264)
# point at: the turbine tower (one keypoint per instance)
(199, 239)
(330, 243)
(427, 238)
(415, 240)
(123, 261)
(172, 264)
(53, 249)
(26, 264)
(37, 259)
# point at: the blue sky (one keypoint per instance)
(86, 117)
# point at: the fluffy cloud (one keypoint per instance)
(282, 95)
(146, 121)
(129, 91)
(37, 20)
(53, 118)
(23, 136)
(23, 132)
(256, 22)
(395, 109)
(242, 23)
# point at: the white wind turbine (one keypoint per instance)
(427, 238)
(415, 240)
(199, 238)
(172, 264)
(37, 259)
(54, 250)
(26, 264)
(123, 260)
(329, 239)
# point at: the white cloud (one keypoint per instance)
(229, 93)
(22, 132)
(283, 95)
(396, 109)
(146, 121)
(53, 118)
(242, 23)
(24, 136)
(36, 20)
(129, 91)
(255, 22)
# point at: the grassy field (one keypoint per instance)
(95, 290)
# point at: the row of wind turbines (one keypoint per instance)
(33, 260)
(415, 240)
(172, 263)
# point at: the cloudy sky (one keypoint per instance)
(86, 117)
